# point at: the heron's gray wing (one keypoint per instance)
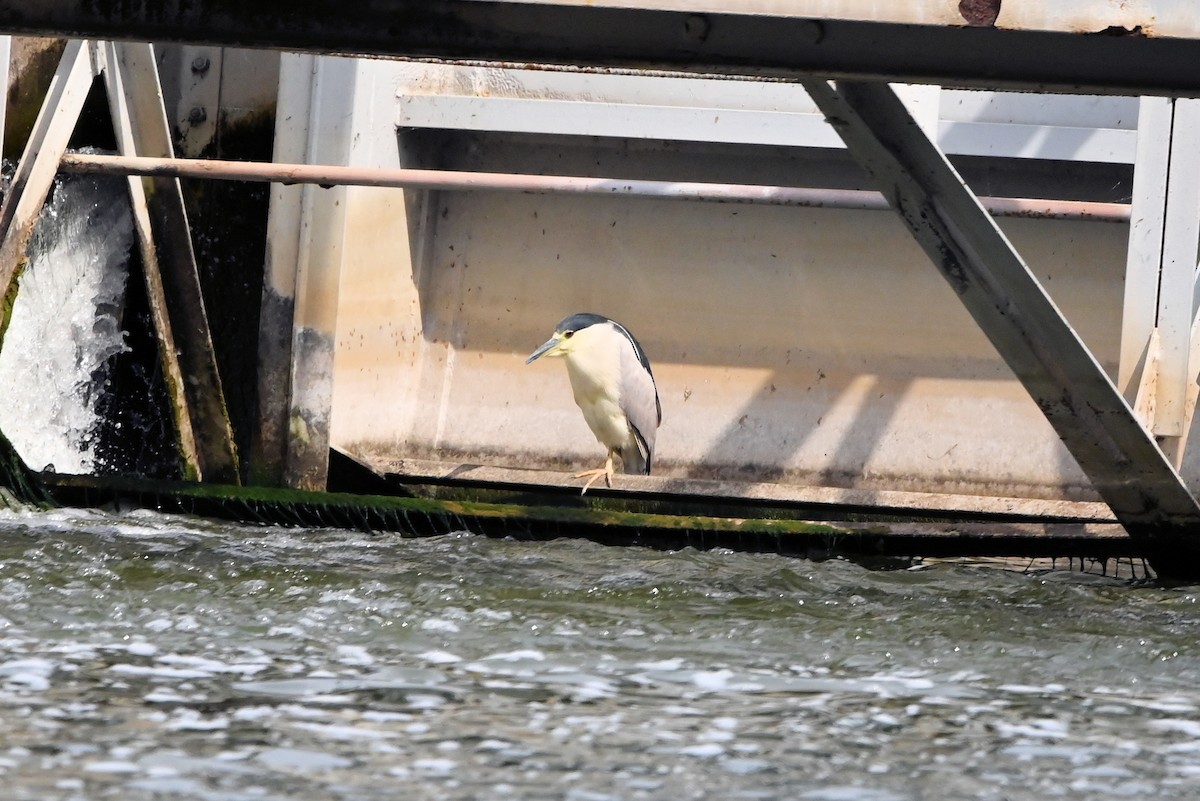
(639, 401)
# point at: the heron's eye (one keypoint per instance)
(568, 334)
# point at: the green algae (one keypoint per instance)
(426, 517)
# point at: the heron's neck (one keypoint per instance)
(595, 368)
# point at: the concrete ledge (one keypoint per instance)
(824, 500)
(888, 544)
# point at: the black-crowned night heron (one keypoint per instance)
(613, 386)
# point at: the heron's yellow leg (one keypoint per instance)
(593, 476)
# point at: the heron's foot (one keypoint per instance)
(593, 476)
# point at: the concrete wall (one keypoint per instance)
(809, 345)
(812, 345)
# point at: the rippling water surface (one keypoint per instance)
(145, 656)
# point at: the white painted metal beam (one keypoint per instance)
(318, 281)
(1156, 369)
(1181, 235)
(156, 295)
(150, 135)
(39, 163)
(1011, 307)
(631, 120)
(1144, 260)
(302, 281)
(277, 314)
(788, 128)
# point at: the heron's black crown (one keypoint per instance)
(577, 322)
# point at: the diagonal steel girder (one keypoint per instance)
(1090, 416)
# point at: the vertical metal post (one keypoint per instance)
(1157, 372)
(300, 294)
(314, 333)
(1011, 307)
(293, 114)
(1144, 260)
(1180, 238)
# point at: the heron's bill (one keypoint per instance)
(547, 346)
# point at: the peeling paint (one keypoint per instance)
(1120, 30)
(979, 13)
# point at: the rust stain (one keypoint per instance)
(979, 13)
(1117, 30)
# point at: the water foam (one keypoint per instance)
(66, 325)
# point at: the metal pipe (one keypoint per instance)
(329, 175)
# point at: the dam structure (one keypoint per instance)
(928, 262)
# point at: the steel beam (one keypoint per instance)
(303, 275)
(270, 439)
(132, 81)
(1178, 276)
(1143, 263)
(1157, 370)
(35, 173)
(1011, 307)
(168, 353)
(1103, 59)
(149, 135)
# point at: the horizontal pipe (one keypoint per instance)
(328, 175)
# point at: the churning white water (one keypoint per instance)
(146, 657)
(66, 324)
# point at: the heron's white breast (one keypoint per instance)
(594, 367)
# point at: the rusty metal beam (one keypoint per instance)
(1088, 413)
(1105, 59)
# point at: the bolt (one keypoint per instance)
(696, 27)
(197, 115)
(200, 64)
(811, 31)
